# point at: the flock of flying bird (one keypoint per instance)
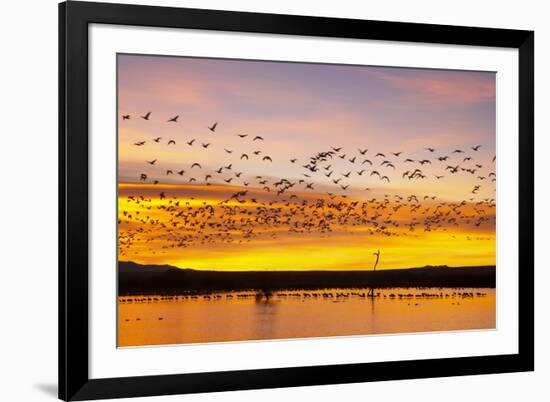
(317, 200)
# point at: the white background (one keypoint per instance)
(28, 200)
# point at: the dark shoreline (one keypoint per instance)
(164, 279)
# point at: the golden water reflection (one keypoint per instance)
(239, 316)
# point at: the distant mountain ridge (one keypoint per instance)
(137, 278)
(129, 267)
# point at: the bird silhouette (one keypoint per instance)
(274, 204)
(146, 116)
(213, 127)
(174, 119)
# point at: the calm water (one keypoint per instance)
(219, 317)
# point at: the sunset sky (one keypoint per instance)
(301, 110)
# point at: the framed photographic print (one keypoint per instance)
(257, 201)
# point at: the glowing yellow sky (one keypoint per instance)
(155, 239)
(398, 116)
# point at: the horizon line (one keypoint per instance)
(310, 270)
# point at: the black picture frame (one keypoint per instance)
(74, 380)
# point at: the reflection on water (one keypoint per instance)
(238, 316)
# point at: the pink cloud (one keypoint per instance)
(455, 88)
